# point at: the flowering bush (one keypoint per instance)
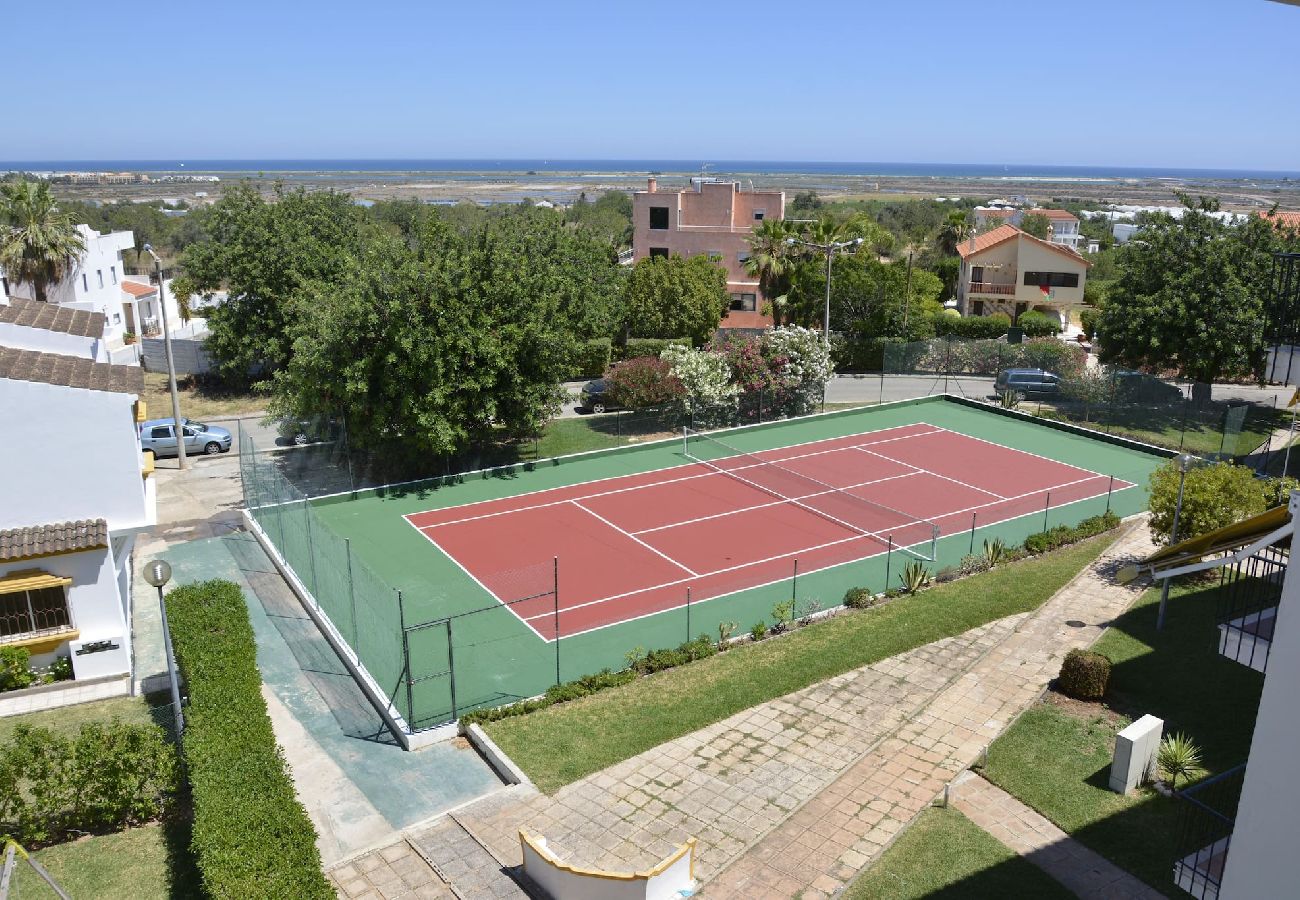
(643, 381)
(807, 358)
(705, 377)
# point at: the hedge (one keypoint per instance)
(1036, 324)
(1043, 541)
(252, 838)
(591, 358)
(973, 327)
(1084, 675)
(635, 347)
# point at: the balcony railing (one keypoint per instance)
(988, 287)
(1248, 603)
(1208, 814)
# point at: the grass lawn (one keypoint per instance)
(136, 864)
(565, 742)
(69, 719)
(198, 401)
(946, 855)
(1056, 758)
(1199, 431)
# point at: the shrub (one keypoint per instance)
(251, 836)
(635, 347)
(15, 668)
(1177, 756)
(807, 610)
(725, 631)
(106, 778)
(1214, 496)
(758, 631)
(914, 576)
(591, 358)
(974, 327)
(782, 616)
(973, 564)
(643, 381)
(859, 598)
(1088, 322)
(1009, 399)
(1060, 535)
(1052, 354)
(1037, 324)
(1084, 675)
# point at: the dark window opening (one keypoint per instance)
(978, 309)
(744, 302)
(659, 218)
(658, 252)
(759, 214)
(1052, 279)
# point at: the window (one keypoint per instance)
(659, 218)
(117, 318)
(759, 215)
(4, 283)
(40, 606)
(85, 285)
(713, 255)
(658, 252)
(100, 274)
(1051, 279)
(978, 308)
(742, 257)
(113, 270)
(744, 302)
(161, 432)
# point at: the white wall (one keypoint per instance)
(70, 454)
(95, 283)
(43, 340)
(1261, 858)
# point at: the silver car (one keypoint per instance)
(159, 436)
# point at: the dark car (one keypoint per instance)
(1028, 382)
(595, 397)
(1139, 387)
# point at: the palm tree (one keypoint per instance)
(953, 232)
(771, 258)
(38, 244)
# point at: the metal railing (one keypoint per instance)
(1209, 812)
(988, 287)
(1248, 606)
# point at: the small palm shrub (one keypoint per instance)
(914, 576)
(859, 598)
(1084, 675)
(995, 551)
(1178, 756)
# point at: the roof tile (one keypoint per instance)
(69, 371)
(46, 540)
(52, 317)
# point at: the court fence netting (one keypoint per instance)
(1112, 400)
(427, 660)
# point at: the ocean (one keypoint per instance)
(473, 168)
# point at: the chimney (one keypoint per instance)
(653, 185)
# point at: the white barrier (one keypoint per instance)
(674, 877)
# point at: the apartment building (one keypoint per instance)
(1065, 225)
(1008, 271)
(712, 218)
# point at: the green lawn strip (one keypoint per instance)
(137, 864)
(565, 742)
(946, 855)
(67, 720)
(1057, 758)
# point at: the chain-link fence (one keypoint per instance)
(1111, 400)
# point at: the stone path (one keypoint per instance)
(1021, 829)
(397, 871)
(800, 793)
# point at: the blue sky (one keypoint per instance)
(1179, 83)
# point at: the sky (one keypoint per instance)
(1166, 83)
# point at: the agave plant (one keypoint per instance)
(1009, 399)
(995, 551)
(914, 577)
(725, 631)
(1179, 756)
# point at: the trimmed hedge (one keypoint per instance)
(974, 327)
(646, 347)
(1043, 541)
(1036, 324)
(591, 358)
(252, 838)
(1084, 675)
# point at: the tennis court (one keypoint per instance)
(731, 520)
(482, 588)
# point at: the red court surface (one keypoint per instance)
(631, 546)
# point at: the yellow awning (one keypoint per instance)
(1213, 543)
(31, 580)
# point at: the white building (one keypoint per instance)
(94, 284)
(76, 491)
(1065, 225)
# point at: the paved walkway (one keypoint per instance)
(1084, 872)
(802, 792)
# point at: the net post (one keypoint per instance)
(1110, 488)
(1046, 506)
(889, 554)
(973, 517)
(352, 599)
(555, 596)
(685, 439)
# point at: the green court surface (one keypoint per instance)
(357, 553)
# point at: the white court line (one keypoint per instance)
(857, 537)
(641, 487)
(732, 512)
(1025, 452)
(629, 534)
(931, 472)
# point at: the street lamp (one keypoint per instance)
(158, 573)
(177, 428)
(829, 249)
(1185, 461)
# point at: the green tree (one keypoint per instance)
(1214, 496)
(667, 297)
(771, 259)
(608, 218)
(1190, 296)
(1036, 225)
(869, 298)
(263, 253)
(39, 243)
(956, 228)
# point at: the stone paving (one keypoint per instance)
(1021, 829)
(397, 871)
(799, 794)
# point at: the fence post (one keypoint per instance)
(688, 613)
(794, 581)
(1046, 506)
(555, 595)
(352, 600)
(451, 671)
(406, 663)
(882, 385)
(311, 553)
(972, 532)
(1109, 489)
(889, 554)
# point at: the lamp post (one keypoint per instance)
(829, 249)
(1185, 462)
(158, 573)
(177, 428)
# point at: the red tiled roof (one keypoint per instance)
(1005, 233)
(998, 213)
(1285, 219)
(137, 289)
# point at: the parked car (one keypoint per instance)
(595, 397)
(1028, 382)
(158, 436)
(308, 431)
(1138, 387)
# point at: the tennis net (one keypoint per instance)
(892, 528)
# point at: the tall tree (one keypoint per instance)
(956, 228)
(39, 244)
(771, 259)
(674, 297)
(1036, 225)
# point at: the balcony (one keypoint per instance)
(1208, 814)
(1248, 605)
(985, 288)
